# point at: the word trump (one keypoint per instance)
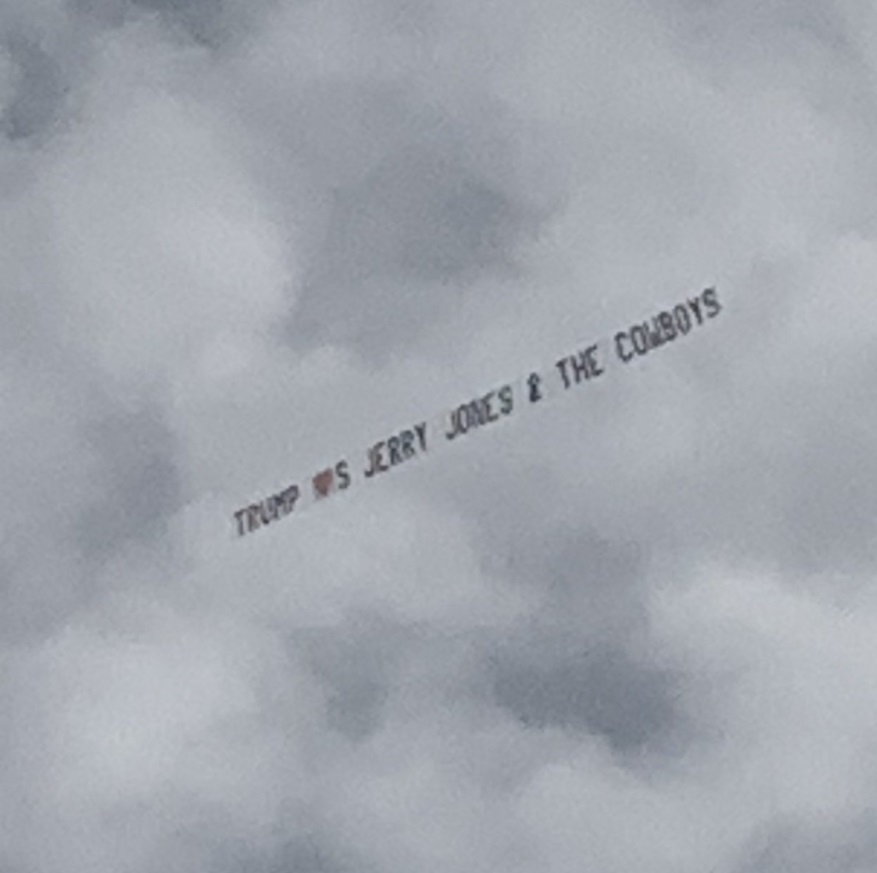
(265, 511)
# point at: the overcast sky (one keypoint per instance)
(634, 631)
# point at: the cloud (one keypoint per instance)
(627, 630)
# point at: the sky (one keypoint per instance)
(632, 630)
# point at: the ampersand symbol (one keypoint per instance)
(533, 383)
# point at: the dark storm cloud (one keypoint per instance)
(357, 665)
(43, 581)
(311, 853)
(140, 490)
(758, 30)
(212, 24)
(587, 688)
(121, 494)
(200, 18)
(415, 190)
(399, 247)
(810, 513)
(428, 213)
(813, 847)
(577, 663)
(582, 574)
(39, 90)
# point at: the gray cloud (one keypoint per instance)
(631, 630)
(813, 847)
(135, 459)
(399, 248)
(211, 24)
(39, 88)
(598, 692)
(358, 667)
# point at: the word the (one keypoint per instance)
(582, 367)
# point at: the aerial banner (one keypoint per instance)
(476, 414)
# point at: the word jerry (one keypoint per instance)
(667, 326)
(396, 450)
(265, 511)
(483, 410)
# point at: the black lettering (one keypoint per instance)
(638, 332)
(695, 308)
(618, 337)
(653, 332)
(456, 428)
(290, 496)
(489, 414)
(420, 430)
(253, 516)
(268, 510)
(584, 366)
(711, 301)
(393, 446)
(533, 381)
(406, 444)
(343, 474)
(376, 462)
(479, 412)
(561, 365)
(666, 322)
(580, 367)
(240, 515)
(450, 434)
(591, 360)
(683, 319)
(476, 413)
